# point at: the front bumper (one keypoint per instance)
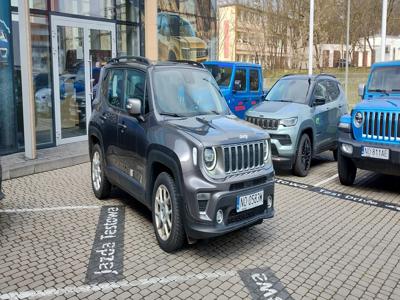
(202, 224)
(389, 167)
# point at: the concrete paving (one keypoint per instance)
(318, 246)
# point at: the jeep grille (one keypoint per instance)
(271, 124)
(381, 126)
(243, 157)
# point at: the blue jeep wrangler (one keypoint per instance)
(369, 138)
(240, 83)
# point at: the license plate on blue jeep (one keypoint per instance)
(377, 153)
(250, 201)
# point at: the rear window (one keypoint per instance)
(222, 75)
(254, 81)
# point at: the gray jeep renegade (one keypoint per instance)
(163, 133)
(301, 114)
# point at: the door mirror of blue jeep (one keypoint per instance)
(318, 101)
(134, 107)
(237, 87)
(361, 89)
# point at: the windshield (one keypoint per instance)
(289, 90)
(187, 92)
(180, 27)
(221, 74)
(385, 80)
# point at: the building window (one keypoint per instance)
(34, 4)
(92, 8)
(42, 80)
(129, 10)
(128, 40)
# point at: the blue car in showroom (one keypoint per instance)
(4, 45)
(369, 138)
(241, 84)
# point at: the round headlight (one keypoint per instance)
(358, 119)
(266, 150)
(210, 158)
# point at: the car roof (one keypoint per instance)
(144, 65)
(312, 77)
(232, 63)
(393, 63)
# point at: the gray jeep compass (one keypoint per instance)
(163, 133)
(301, 114)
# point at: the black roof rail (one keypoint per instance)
(140, 59)
(189, 62)
(325, 74)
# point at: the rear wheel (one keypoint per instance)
(347, 170)
(303, 157)
(166, 211)
(100, 184)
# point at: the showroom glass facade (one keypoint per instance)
(187, 29)
(126, 16)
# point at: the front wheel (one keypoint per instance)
(347, 170)
(303, 157)
(167, 214)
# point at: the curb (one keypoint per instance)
(44, 166)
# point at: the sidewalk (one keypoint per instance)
(16, 165)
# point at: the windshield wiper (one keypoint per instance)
(380, 91)
(289, 101)
(175, 115)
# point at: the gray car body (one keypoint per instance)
(319, 121)
(153, 143)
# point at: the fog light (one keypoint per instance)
(348, 149)
(269, 201)
(220, 216)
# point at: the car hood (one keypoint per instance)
(218, 130)
(276, 109)
(381, 103)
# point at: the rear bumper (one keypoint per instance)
(389, 167)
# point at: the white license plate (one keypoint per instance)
(377, 153)
(249, 201)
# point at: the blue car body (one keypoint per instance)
(369, 138)
(4, 47)
(251, 91)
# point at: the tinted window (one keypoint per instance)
(289, 90)
(333, 90)
(240, 80)
(254, 80)
(221, 74)
(386, 79)
(135, 85)
(116, 88)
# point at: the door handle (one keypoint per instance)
(104, 118)
(122, 126)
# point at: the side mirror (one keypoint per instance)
(134, 107)
(361, 89)
(319, 101)
(237, 87)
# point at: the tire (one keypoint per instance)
(100, 184)
(303, 157)
(167, 214)
(171, 56)
(335, 154)
(347, 170)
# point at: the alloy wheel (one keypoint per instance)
(163, 212)
(306, 154)
(96, 171)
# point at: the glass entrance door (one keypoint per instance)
(80, 49)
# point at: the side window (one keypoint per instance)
(135, 86)
(320, 91)
(254, 80)
(240, 80)
(333, 90)
(115, 93)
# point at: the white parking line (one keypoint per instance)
(327, 180)
(24, 210)
(107, 287)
